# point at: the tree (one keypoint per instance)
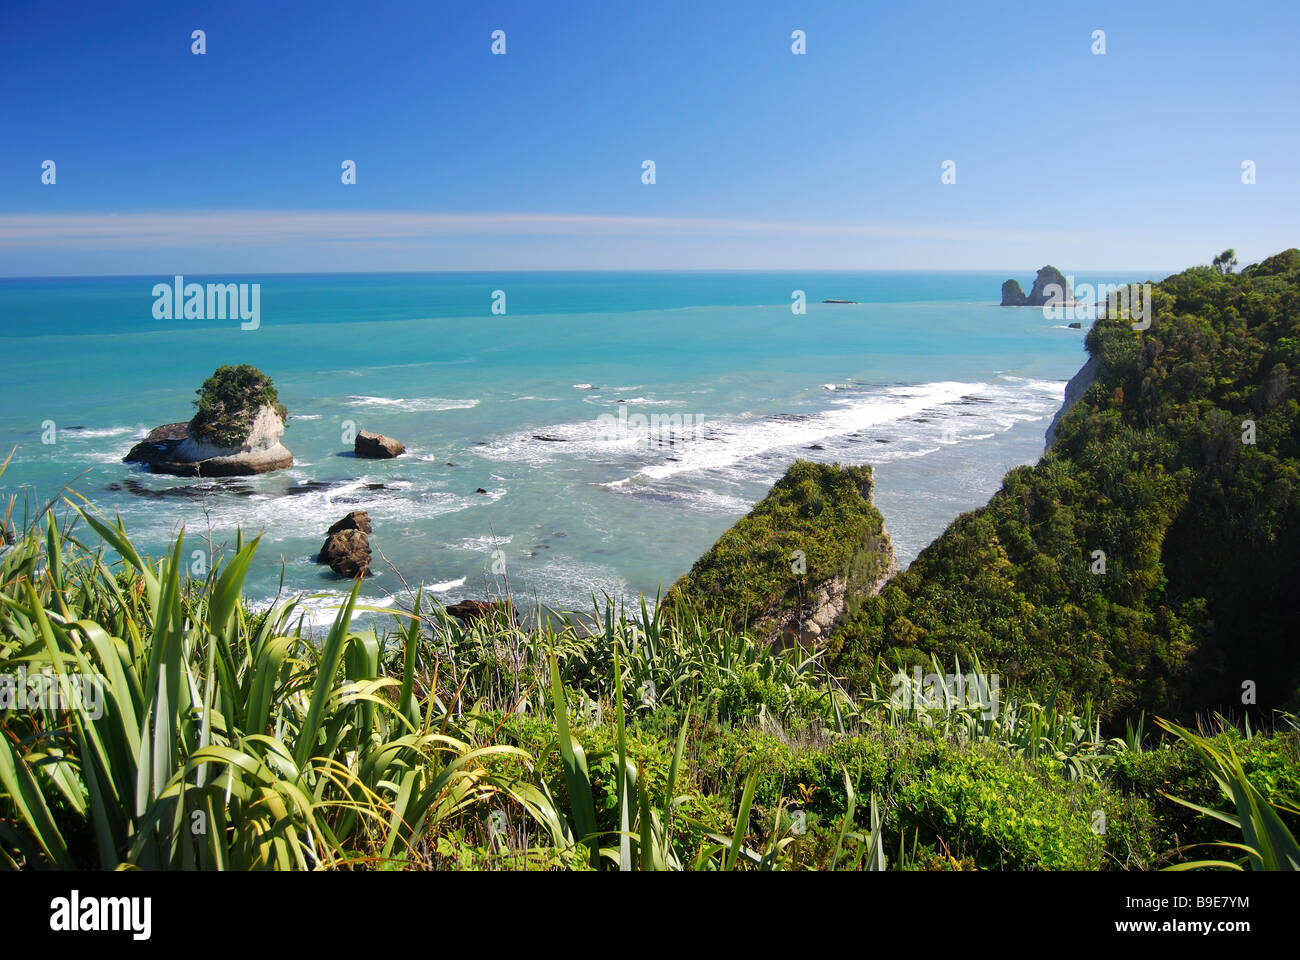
(1226, 262)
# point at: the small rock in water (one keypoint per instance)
(376, 446)
(347, 546)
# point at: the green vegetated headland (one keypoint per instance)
(1150, 560)
(1009, 702)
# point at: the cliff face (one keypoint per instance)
(807, 553)
(1074, 390)
(262, 442)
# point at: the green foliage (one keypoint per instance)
(368, 749)
(217, 740)
(228, 402)
(988, 808)
(1197, 513)
(825, 513)
(1266, 841)
(1179, 769)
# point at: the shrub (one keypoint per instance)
(228, 402)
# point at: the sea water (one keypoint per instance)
(926, 379)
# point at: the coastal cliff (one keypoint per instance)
(1076, 387)
(1148, 560)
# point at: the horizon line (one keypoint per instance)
(563, 270)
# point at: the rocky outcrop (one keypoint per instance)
(171, 449)
(376, 446)
(814, 620)
(1039, 295)
(1050, 277)
(356, 520)
(347, 546)
(158, 445)
(1074, 390)
(1013, 295)
(471, 610)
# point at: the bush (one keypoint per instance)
(228, 402)
(1178, 769)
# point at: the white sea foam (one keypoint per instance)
(743, 438)
(564, 582)
(96, 433)
(320, 610)
(484, 542)
(413, 404)
(445, 586)
(286, 517)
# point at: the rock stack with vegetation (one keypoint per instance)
(1013, 295)
(235, 432)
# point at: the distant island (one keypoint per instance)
(1014, 296)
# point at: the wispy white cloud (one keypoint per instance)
(324, 241)
(272, 227)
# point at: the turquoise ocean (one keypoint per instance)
(926, 378)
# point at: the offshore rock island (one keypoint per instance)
(1040, 295)
(236, 431)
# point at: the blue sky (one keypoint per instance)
(169, 162)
